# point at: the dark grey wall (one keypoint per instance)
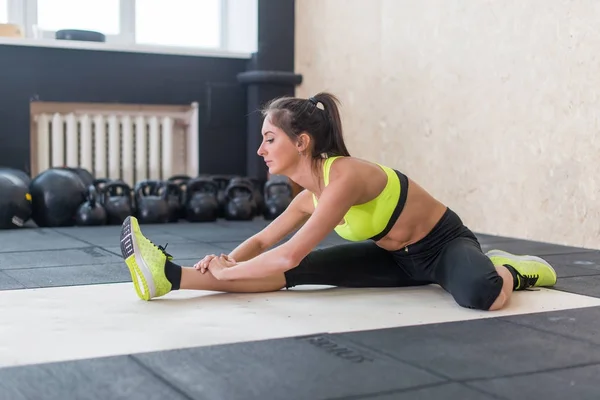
(229, 123)
(273, 66)
(73, 75)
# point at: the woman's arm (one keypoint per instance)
(247, 250)
(292, 218)
(335, 201)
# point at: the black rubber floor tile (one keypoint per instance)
(446, 391)
(226, 247)
(71, 275)
(487, 238)
(575, 264)
(256, 224)
(107, 236)
(115, 378)
(48, 258)
(316, 367)
(566, 271)
(533, 248)
(211, 232)
(32, 239)
(181, 250)
(7, 282)
(573, 383)
(585, 285)
(580, 323)
(479, 348)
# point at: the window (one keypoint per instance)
(154, 25)
(102, 16)
(3, 11)
(186, 23)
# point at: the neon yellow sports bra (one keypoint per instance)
(367, 220)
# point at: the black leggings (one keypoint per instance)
(449, 255)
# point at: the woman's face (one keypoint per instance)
(277, 149)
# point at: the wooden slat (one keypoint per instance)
(42, 107)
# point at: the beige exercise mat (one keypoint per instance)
(67, 323)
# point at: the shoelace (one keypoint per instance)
(163, 249)
(527, 281)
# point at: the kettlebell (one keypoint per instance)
(259, 201)
(278, 196)
(181, 182)
(151, 202)
(91, 212)
(116, 199)
(222, 181)
(173, 193)
(99, 184)
(202, 204)
(239, 201)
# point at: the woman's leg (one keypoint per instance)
(193, 279)
(362, 264)
(359, 264)
(470, 277)
(486, 282)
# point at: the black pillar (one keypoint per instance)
(270, 73)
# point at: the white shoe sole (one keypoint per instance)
(129, 247)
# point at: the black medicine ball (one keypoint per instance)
(15, 203)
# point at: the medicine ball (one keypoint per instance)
(85, 175)
(17, 173)
(56, 196)
(15, 203)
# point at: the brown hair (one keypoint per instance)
(318, 116)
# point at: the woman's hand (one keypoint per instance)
(203, 264)
(218, 264)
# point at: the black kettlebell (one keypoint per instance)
(91, 212)
(259, 200)
(239, 200)
(181, 182)
(100, 184)
(151, 202)
(173, 193)
(278, 196)
(116, 199)
(202, 204)
(222, 181)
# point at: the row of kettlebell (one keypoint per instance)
(151, 201)
(200, 199)
(109, 202)
(232, 197)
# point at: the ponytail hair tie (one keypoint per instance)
(316, 103)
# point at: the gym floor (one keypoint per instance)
(73, 328)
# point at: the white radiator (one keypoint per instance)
(126, 142)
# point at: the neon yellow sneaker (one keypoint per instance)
(145, 260)
(531, 270)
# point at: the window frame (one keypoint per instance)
(24, 13)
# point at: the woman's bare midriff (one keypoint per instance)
(420, 214)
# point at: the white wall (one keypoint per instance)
(492, 106)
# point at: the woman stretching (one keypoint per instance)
(400, 235)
